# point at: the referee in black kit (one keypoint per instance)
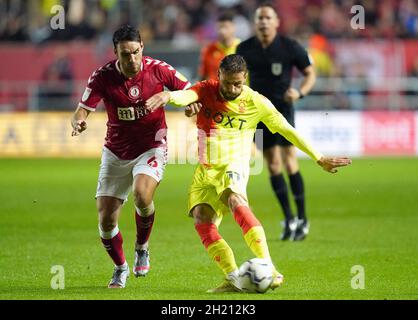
(270, 58)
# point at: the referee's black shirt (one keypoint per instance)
(270, 69)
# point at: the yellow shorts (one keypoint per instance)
(209, 183)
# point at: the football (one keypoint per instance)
(256, 275)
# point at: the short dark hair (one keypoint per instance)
(225, 17)
(268, 5)
(233, 63)
(126, 33)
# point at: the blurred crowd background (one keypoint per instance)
(193, 21)
(359, 69)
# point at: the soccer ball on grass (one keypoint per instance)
(255, 275)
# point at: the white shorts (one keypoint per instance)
(116, 175)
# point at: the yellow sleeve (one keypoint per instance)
(275, 121)
(183, 98)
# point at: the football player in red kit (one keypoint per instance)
(135, 150)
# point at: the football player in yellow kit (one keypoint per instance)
(227, 121)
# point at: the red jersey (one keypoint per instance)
(132, 129)
(211, 57)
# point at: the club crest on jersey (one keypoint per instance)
(276, 68)
(242, 106)
(134, 92)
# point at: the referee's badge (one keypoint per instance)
(276, 68)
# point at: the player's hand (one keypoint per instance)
(78, 127)
(192, 109)
(157, 100)
(291, 95)
(331, 163)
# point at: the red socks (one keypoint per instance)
(143, 228)
(208, 232)
(245, 218)
(113, 247)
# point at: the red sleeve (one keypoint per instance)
(93, 93)
(172, 79)
(199, 88)
(206, 90)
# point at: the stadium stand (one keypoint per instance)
(353, 65)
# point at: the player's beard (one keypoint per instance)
(229, 96)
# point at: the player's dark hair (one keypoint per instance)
(268, 5)
(126, 33)
(226, 16)
(233, 63)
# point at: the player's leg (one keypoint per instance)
(270, 145)
(296, 182)
(114, 184)
(278, 183)
(252, 230)
(273, 159)
(109, 211)
(147, 172)
(144, 189)
(219, 251)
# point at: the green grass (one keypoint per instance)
(365, 215)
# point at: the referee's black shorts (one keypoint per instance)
(276, 139)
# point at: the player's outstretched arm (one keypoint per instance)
(327, 163)
(157, 100)
(331, 164)
(277, 123)
(78, 121)
(178, 98)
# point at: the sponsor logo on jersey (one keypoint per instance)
(227, 120)
(132, 113)
(126, 113)
(276, 68)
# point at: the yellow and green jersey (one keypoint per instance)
(227, 127)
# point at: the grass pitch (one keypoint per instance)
(365, 215)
